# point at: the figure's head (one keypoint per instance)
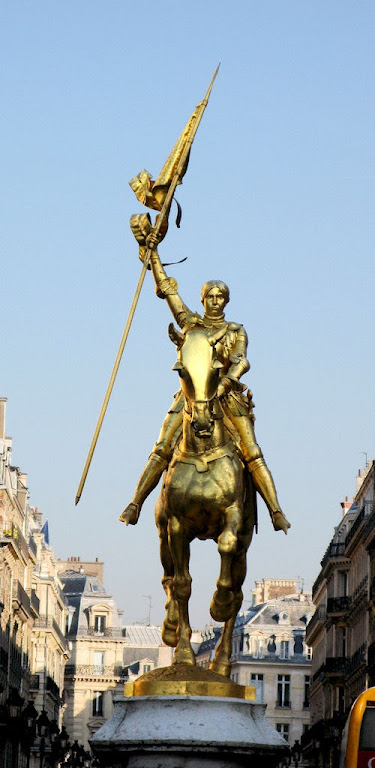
(214, 297)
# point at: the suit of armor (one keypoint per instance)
(237, 409)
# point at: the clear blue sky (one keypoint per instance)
(278, 201)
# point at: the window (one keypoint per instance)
(283, 691)
(99, 662)
(271, 647)
(309, 652)
(283, 728)
(284, 649)
(298, 644)
(306, 689)
(99, 623)
(258, 681)
(146, 668)
(97, 703)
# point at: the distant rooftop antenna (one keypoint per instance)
(148, 597)
(365, 454)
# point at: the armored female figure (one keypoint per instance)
(236, 408)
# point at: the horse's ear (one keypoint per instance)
(175, 336)
(215, 336)
(217, 364)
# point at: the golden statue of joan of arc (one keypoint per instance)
(237, 409)
(207, 451)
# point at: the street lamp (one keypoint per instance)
(296, 753)
(43, 725)
(29, 718)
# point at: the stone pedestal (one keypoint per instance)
(180, 731)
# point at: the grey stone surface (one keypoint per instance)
(187, 732)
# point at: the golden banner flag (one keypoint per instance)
(153, 193)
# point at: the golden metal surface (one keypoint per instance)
(171, 175)
(184, 680)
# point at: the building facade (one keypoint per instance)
(95, 673)
(33, 650)
(341, 631)
(269, 651)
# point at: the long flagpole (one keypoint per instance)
(163, 214)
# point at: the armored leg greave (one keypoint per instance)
(149, 478)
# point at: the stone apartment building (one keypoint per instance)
(33, 650)
(342, 629)
(269, 651)
(95, 673)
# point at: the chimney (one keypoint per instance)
(3, 401)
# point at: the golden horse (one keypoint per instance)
(206, 494)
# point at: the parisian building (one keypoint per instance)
(269, 651)
(95, 672)
(342, 629)
(33, 649)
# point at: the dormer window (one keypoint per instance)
(100, 623)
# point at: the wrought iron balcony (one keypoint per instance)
(94, 670)
(358, 659)
(47, 622)
(335, 665)
(365, 512)
(52, 687)
(107, 632)
(34, 602)
(338, 605)
(33, 547)
(20, 599)
(14, 536)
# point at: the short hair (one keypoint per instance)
(215, 284)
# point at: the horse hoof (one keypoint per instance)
(169, 636)
(220, 667)
(222, 610)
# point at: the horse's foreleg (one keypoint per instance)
(221, 662)
(169, 631)
(222, 602)
(180, 549)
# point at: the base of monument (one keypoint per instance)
(188, 732)
(187, 679)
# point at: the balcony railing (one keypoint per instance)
(13, 534)
(372, 588)
(318, 618)
(94, 670)
(335, 665)
(34, 602)
(20, 598)
(338, 604)
(364, 513)
(107, 632)
(32, 547)
(334, 549)
(52, 687)
(47, 622)
(358, 658)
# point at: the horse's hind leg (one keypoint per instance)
(180, 548)
(221, 607)
(169, 631)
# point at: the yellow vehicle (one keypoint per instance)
(358, 739)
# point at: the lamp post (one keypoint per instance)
(29, 718)
(14, 704)
(296, 753)
(43, 726)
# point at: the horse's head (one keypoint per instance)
(199, 369)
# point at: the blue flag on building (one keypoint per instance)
(45, 531)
